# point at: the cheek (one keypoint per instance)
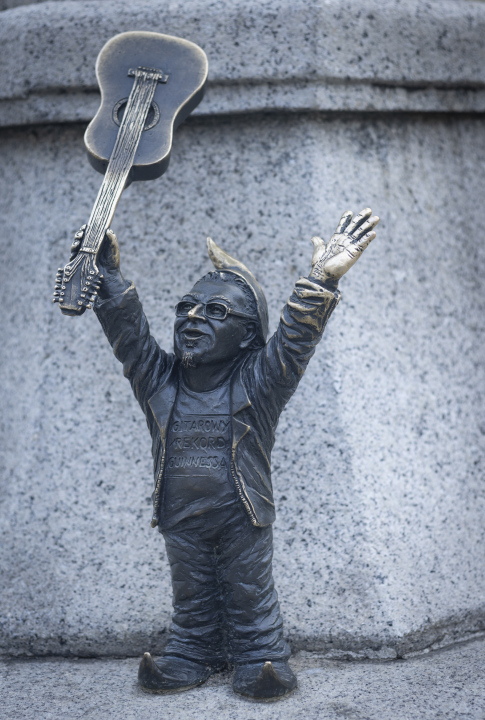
(229, 336)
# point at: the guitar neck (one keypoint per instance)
(122, 157)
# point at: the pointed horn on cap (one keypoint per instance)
(222, 260)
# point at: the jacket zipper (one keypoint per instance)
(240, 491)
(156, 498)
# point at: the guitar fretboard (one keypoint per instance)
(123, 155)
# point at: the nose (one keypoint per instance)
(197, 312)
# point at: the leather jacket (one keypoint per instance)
(261, 385)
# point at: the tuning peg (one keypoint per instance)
(92, 298)
(89, 306)
(54, 300)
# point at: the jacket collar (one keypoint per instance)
(161, 402)
(239, 401)
(239, 395)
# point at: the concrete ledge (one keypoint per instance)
(331, 55)
(446, 684)
(81, 106)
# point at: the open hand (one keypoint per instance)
(332, 260)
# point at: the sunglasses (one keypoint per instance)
(211, 310)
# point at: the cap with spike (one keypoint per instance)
(225, 262)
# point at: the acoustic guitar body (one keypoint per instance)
(149, 84)
(184, 66)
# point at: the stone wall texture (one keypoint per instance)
(379, 461)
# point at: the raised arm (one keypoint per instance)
(121, 315)
(283, 361)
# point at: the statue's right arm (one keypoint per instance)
(121, 315)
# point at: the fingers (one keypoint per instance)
(110, 244)
(363, 242)
(80, 232)
(113, 243)
(344, 221)
(358, 220)
(109, 255)
(318, 242)
(363, 229)
(78, 238)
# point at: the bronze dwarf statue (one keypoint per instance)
(212, 408)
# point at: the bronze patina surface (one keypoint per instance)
(212, 408)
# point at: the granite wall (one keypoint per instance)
(378, 464)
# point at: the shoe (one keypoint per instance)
(269, 680)
(171, 674)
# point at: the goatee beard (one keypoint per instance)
(188, 360)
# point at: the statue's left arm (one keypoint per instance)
(282, 362)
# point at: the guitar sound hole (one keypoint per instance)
(152, 118)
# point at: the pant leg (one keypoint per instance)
(254, 623)
(196, 629)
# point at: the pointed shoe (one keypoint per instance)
(269, 680)
(170, 674)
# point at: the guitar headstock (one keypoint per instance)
(78, 283)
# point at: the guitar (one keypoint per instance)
(149, 84)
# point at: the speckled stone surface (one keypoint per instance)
(401, 55)
(378, 464)
(445, 685)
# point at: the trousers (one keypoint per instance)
(225, 606)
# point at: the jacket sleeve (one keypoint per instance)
(281, 363)
(126, 327)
